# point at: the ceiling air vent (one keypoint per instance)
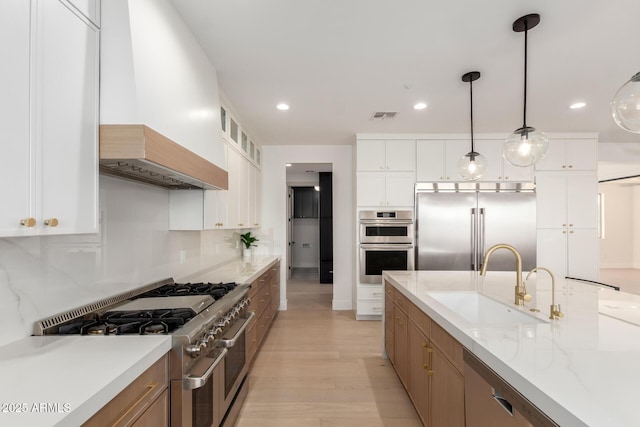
(383, 115)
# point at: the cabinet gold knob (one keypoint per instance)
(28, 222)
(51, 222)
(425, 366)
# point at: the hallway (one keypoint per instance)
(319, 367)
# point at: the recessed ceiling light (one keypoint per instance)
(282, 106)
(577, 105)
(288, 165)
(420, 106)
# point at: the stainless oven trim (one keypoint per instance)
(192, 383)
(231, 342)
(375, 279)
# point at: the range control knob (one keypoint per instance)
(203, 342)
(193, 350)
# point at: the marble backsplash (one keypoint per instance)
(43, 276)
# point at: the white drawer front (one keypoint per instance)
(370, 292)
(370, 307)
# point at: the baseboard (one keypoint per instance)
(368, 316)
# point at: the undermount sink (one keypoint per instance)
(478, 309)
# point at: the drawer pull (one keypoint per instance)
(150, 388)
(502, 401)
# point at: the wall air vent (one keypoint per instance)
(383, 115)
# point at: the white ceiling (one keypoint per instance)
(338, 61)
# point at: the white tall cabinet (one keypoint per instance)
(385, 172)
(567, 209)
(49, 111)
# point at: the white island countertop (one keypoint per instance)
(583, 369)
(64, 380)
(58, 380)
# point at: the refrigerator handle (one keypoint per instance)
(481, 238)
(474, 241)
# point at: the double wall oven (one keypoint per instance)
(208, 360)
(386, 243)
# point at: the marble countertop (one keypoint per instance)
(582, 369)
(64, 380)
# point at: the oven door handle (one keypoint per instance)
(192, 383)
(389, 246)
(230, 343)
(386, 222)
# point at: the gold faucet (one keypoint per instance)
(554, 310)
(521, 294)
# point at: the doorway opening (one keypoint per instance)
(310, 233)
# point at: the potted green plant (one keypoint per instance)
(248, 241)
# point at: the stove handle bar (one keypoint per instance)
(231, 342)
(192, 383)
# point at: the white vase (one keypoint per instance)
(246, 253)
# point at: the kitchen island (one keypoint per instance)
(578, 370)
(63, 380)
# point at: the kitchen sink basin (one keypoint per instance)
(479, 309)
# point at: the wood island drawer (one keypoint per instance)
(136, 399)
(451, 348)
(422, 321)
(401, 302)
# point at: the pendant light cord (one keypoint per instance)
(471, 108)
(524, 114)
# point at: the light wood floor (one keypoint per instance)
(319, 367)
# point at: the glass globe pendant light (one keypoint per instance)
(625, 106)
(526, 145)
(472, 165)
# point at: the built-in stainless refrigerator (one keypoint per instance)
(457, 222)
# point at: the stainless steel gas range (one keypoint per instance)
(208, 358)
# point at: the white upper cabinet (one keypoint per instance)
(386, 155)
(66, 119)
(388, 189)
(53, 119)
(570, 155)
(567, 201)
(437, 160)
(15, 160)
(498, 168)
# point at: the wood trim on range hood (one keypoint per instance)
(139, 153)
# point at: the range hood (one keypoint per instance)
(139, 153)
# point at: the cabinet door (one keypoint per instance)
(582, 201)
(257, 195)
(370, 189)
(581, 154)
(370, 155)
(418, 369)
(400, 155)
(157, 415)
(400, 189)
(234, 191)
(583, 255)
(15, 162)
(455, 150)
(551, 198)
(215, 209)
(447, 392)
(430, 157)
(66, 119)
(492, 151)
(554, 160)
(551, 251)
(400, 343)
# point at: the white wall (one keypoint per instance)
(616, 249)
(274, 213)
(43, 276)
